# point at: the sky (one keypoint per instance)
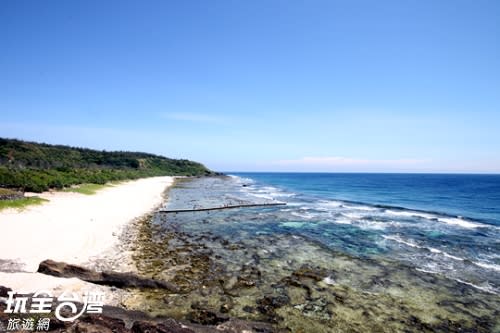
(260, 85)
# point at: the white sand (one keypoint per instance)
(73, 228)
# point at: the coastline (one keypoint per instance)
(269, 265)
(73, 228)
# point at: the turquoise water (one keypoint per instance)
(348, 252)
(446, 224)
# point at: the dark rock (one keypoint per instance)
(338, 298)
(109, 323)
(226, 307)
(82, 327)
(169, 326)
(109, 278)
(4, 291)
(269, 304)
(227, 304)
(248, 309)
(118, 320)
(125, 280)
(256, 258)
(275, 301)
(61, 269)
(315, 273)
(295, 282)
(204, 316)
(238, 326)
(248, 277)
(11, 195)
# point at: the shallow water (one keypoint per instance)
(319, 265)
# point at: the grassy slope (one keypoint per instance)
(21, 203)
(87, 189)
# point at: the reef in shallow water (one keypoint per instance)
(299, 285)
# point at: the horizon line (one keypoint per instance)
(374, 172)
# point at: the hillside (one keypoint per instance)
(36, 167)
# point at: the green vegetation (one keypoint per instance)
(87, 189)
(37, 167)
(21, 203)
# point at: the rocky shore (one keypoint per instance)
(272, 279)
(118, 320)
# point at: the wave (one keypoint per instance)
(378, 225)
(330, 203)
(267, 192)
(368, 211)
(400, 240)
(242, 180)
(304, 215)
(487, 288)
(263, 196)
(399, 211)
(412, 243)
(459, 221)
(360, 210)
(447, 255)
(433, 265)
(409, 213)
(493, 267)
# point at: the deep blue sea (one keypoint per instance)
(438, 223)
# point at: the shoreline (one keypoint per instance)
(74, 228)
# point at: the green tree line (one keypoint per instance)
(37, 167)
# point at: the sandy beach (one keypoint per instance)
(70, 227)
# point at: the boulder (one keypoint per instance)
(4, 291)
(108, 278)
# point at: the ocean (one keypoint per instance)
(439, 223)
(341, 253)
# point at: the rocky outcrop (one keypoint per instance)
(10, 194)
(118, 320)
(108, 278)
(4, 291)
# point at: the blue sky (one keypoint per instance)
(377, 86)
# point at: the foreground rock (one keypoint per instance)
(7, 194)
(108, 278)
(117, 320)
